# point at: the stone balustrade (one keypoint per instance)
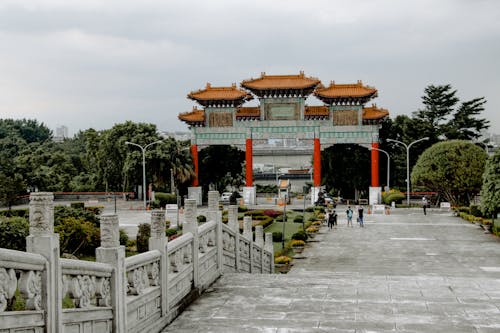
(116, 294)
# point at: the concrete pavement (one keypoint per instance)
(403, 272)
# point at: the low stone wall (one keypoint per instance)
(116, 294)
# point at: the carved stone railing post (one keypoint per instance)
(191, 225)
(247, 233)
(259, 236)
(158, 241)
(259, 240)
(268, 246)
(111, 252)
(43, 241)
(232, 221)
(214, 214)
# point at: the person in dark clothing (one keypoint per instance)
(332, 219)
(360, 216)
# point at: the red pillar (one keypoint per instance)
(194, 154)
(375, 159)
(249, 163)
(317, 162)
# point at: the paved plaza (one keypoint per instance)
(403, 272)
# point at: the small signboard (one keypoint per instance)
(445, 205)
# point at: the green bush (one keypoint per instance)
(298, 219)
(201, 218)
(464, 210)
(61, 212)
(123, 237)
(256, 212)
(310, 209)
(96, 210)
(277, 236)
(13, 232)
(77, 236)
(474, 210)
(300, 235)
(23, 212)
(143, 237)
(170, 232)
(265, 221)
(242, 209)
(77, 205)
(393, 197)
(165, 198)
(319, 210)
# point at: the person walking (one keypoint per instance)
(334, 219)
(331, 219)
(360, 216)
(349, 216)
(424, 204)
(327, 217)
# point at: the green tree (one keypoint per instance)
(221, 166)
(490, 192)
(442, 116)
(452, 168)
(345, 169)
(465, 125)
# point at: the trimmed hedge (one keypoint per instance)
(277, 236)
(300, 235)
(23, 212)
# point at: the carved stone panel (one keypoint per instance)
(110, 234)
(41, 214)
(220, 119)
(158, 224)
(345, 117)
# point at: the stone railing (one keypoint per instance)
(142, 293)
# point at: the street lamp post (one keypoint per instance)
(408, 164)
(143, 149)
(388, 164)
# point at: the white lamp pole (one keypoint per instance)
(143, 149)
(388, 164)
(408, 164)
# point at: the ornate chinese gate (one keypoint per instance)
(283, 114)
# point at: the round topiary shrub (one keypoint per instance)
(298, 219)
(277, 236)
(201, 218)
(300, 235)
(123, 237)
(395, 196)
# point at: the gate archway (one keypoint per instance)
(282, 113)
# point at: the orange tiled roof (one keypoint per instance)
(268, 82)
(193, 116)
(219, 94)
(373, 112)
(253, 111)
(316, 111)
(346, 90)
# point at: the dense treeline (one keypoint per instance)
(101, 161)
(346, 168)
(90, 161)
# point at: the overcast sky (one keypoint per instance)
(94, 63)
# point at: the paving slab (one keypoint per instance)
(403, 272)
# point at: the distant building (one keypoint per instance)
(61, 133)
